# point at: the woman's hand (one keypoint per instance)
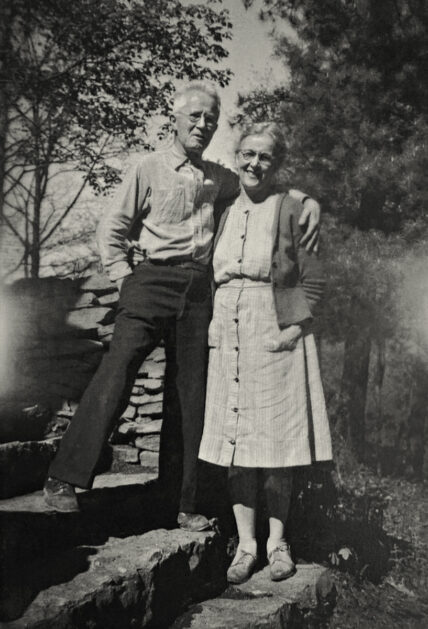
(287, 339)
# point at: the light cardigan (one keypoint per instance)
(297, 276)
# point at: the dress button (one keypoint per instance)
(239, 260)
(236, 379)
(243, 236)
(236, 349)
(235, 410)
(236, 320)
(232, 442)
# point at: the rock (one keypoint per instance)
(129, 413)
(152, 385)
(67, 409)
(87, 318)
(260, 602)
(56, 427)
(105, 332)
(133, 428)
(152, 370)
(145, 399)
(109, 300)
(127, 454)
(140, 581)
(136, 390)
(149, 426)
(151, 410)
(85, 300)
(148, 442)
(158, 355)
(23, 465)
(97, 283)
(149, 459)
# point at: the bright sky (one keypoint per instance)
(250, 59)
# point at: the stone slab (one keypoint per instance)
(126, 453)
(142, 580)
(151, 385)
(34, 502)
(149, 459)
(146, 398)
(24, 464)
(149, 427)
(87, 318)
(152, 370)
(261, 602)
(148, 442)
(152, 409)
(97, 283)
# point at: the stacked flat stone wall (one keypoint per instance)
(54, 334)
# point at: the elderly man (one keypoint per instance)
(164, 208)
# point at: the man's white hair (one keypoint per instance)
(180, 97)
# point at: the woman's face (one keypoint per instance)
(255, 162)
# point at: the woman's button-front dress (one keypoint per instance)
(264, 408)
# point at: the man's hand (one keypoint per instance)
(311, 219)
(287, 341)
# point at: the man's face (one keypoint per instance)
(196, 122)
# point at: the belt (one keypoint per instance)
(184, 264)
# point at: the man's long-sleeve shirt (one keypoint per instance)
(164, 209)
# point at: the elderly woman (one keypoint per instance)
(265, 409)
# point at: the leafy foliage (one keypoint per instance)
(356, 107)
(81, 80)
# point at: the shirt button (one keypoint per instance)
(239, 260)
(236, 379)
(236, 320)
(232, 442)
(242, 236)
(274, 265)
(236, 349)
(235, 410)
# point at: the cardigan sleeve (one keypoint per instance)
(311, 269)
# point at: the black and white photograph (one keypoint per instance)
(214, 314)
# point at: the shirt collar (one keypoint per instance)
(178, 158)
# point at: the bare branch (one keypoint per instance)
(76, 197)
(13, 230)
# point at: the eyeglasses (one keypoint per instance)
(210, 121)
(265, 159)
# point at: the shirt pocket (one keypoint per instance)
(168, 205)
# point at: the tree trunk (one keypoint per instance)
(353, 393)
(418, 416)
(38, 198)
(378, 378)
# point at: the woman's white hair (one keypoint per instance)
(180, 97)
(266, 128)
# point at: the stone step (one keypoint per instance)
(143, 580)
(304, 600)
(119, 504)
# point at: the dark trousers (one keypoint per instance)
(156, 301)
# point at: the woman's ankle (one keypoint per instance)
(274, 542)
(248, 545)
